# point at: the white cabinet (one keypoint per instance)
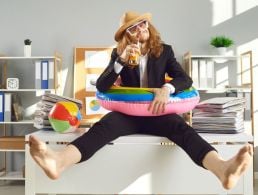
(136, 164)
(18, 101)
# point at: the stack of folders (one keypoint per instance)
(44, 106)
(219, 115)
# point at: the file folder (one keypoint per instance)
(1, 106)
(195, 73)
(203, 73)
(7, 107)
(51, 75)
(38, 75)
(44, 74)
(210, 73)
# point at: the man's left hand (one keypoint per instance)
(161, 98)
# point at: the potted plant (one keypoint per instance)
(27, 48)
(221, 43)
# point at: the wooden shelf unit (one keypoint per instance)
(16, 143)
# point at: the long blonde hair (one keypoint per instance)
(154, 42)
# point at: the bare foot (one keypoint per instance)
(236, 166)
(46, 158)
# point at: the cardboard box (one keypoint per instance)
(12, 142)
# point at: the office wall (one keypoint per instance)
(61, 25)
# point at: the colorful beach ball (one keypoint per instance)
(65, 117)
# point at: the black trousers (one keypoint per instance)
(116, 124)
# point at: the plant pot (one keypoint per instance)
(221, 50)
(27, 50)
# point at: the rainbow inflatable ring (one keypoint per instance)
(135, 101)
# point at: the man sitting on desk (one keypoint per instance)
(138, 35)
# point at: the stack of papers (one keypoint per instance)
(44, 106)
(219, 115)
(221, 102)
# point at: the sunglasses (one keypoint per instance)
(132, 30)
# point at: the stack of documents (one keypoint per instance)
(44, 106)
(219, 115)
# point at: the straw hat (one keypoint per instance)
(128, 19)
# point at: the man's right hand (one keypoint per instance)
(132, 48)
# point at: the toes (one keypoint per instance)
(247, 148)
(33, 139)
(250, 149)
(36, 144)
(244, 149)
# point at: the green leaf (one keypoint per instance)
(221, 41)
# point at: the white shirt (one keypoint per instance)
(143, 73)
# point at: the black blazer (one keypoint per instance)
(156, 67)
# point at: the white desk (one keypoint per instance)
(137, 164)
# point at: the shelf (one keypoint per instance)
(18, 122)
(215, 57)
(32, 58)
(12, 143)
(230, 79)
(29, 90)
(11, 176)
(26, 90)
(12, 150)
(223, 90)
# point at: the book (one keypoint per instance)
(44, 106)
(220, 131)
(234, 108)
(51, 70)
(217, 120)
(234, 126)
(41, 121)
(210, 73)
(37, 74)
(203, 73)
(17, 109)
(56, 98)
(1, 77)
(44, 74)
(44, 103)
(1, 106)
(195, 73)
(42, 114)
(221, 102)
(7, 107)
(199, 113)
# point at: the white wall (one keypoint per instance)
(62, 25)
